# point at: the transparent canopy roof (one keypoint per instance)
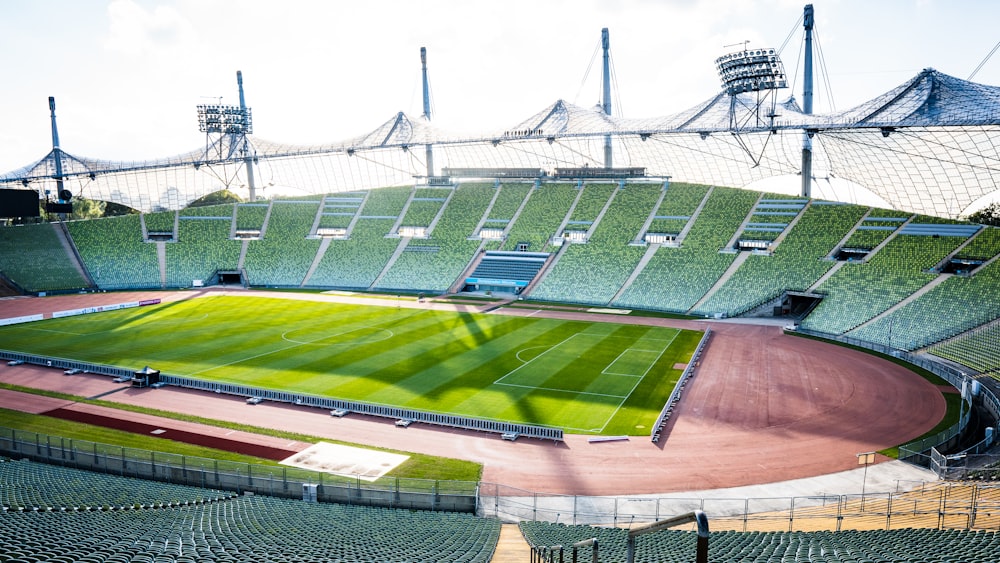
(928, 146)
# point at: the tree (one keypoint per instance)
(87, 208)
(989, 215)
(112, 209)
(216, 198)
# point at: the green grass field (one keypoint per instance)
(583, 377)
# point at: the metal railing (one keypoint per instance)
(271, 480)
(952, 505)
(675, 395)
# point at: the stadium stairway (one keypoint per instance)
(511, 548)
(403, 241)
(740, 259)
(650, 251)
(62, 233)
(909, 299)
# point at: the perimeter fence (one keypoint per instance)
(951, 505)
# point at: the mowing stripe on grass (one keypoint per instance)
(638, 381)
(576, 375)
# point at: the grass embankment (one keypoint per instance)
(418, 466)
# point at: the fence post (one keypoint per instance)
(888, 513)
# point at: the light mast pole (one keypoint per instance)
(807, 102)
(247, 157)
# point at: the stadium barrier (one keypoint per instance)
(505, 429)
(437, 419)
(919, 452)
(62, 363)
(271, 480)
(675, 395)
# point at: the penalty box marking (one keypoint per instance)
(605, 371)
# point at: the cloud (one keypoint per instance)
(136, 32)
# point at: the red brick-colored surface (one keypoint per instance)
(762, 407)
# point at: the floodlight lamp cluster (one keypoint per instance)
(751, 70)
(225, 119)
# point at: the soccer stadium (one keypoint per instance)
(584, 335)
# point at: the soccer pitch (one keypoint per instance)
(584, 377)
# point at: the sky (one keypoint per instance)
(127, 74)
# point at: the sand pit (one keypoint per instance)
(367, 465)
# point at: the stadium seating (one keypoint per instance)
(354, 263)
(160, 222)
(541, 217)
(27, 485)
(877, 226)
(284, 256)
(203, 246)
(250, 216)
(795, 264)
(860, 291)
(386, 202)
(884, 546)
(114, 253)
(593, 272)
(680, 203)
(676, 278)
(594, 197)
(222, 210)
(894, 278)
(433, 264)
(979, 350)
(507, 203)
(424, 206)
(35, 259)
(955, 306)
(177, 524)
(338, 210)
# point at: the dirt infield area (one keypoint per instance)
(762, 407)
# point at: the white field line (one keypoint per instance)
(638, 381)
(554, 390)
(529, 362)
(625, 351)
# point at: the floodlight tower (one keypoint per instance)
(427, 110)
(234, 122)
(807, 102)
(606, 92)
(757, 71)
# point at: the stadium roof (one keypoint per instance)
(928, 146)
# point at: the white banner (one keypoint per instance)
(19, 320)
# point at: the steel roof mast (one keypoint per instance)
(56, 151)
(606, 91)
(429, 148)
(807, 102)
